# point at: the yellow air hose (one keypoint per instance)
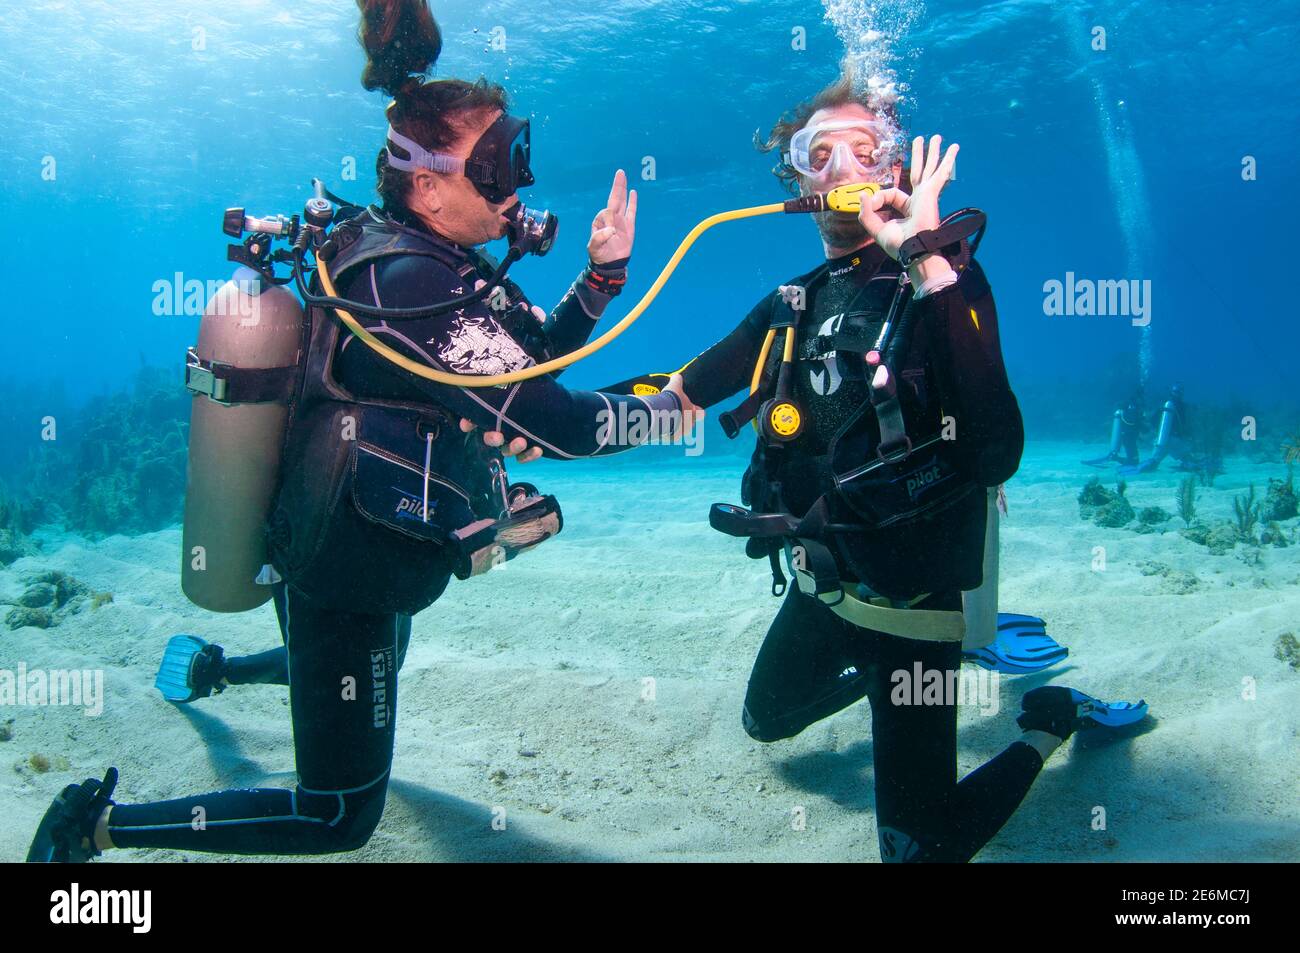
(843, 199)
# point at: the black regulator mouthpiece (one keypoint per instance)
(532, 231)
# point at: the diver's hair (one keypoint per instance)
(839, 93)
(402, 43)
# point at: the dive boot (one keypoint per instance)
(1060, 711)
(66, 834)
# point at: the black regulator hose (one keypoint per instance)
(399, 314)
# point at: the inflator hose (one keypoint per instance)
(843, 199)
(559, 363)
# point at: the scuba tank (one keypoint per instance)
(980, 606)
(237, 428)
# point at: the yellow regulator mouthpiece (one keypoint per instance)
(848, 198)
(845, 198)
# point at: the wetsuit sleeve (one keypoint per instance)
(728, 366)
(961, 323)
(571, 322)
(569, 325)
(564, 423)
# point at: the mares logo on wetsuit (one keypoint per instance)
(380, 667)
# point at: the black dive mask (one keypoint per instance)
(497, 166)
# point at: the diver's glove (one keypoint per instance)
(608, 278)
(599, 284)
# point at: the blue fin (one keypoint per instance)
(1022, 646)
(187, 669)
(1094, 713)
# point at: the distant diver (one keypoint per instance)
(1128, 426)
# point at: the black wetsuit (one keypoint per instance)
(341, 667)
(814, 663)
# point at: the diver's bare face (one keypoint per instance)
(450, 204)
(841, 233)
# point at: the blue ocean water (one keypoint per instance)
(1126, 163)
(1166, 157)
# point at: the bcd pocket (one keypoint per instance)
(904, 486)
(357, 526)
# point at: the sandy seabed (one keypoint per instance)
(524, 693)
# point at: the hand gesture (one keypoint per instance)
(909, 214)
(614, 227)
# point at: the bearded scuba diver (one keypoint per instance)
(327, 477)
(883, 423)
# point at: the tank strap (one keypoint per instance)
(227, 384)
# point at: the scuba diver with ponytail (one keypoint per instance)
(381, 497)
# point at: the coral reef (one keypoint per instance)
(1279, 500)
(48, 598)
(1185, 497)
(1287, 649)
(1178, 581)
(1092, 496)
(130, 471)
(1273, 534)
(1247, 512)
(18, 517)
(1291, 449)
(1219, 539)
(1150, 518)
(1105, 507)
(1204, 456)
(20, 617)
(1152, 515)
(121, 458)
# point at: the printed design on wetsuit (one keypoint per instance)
(824, 370)
(475, 344)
